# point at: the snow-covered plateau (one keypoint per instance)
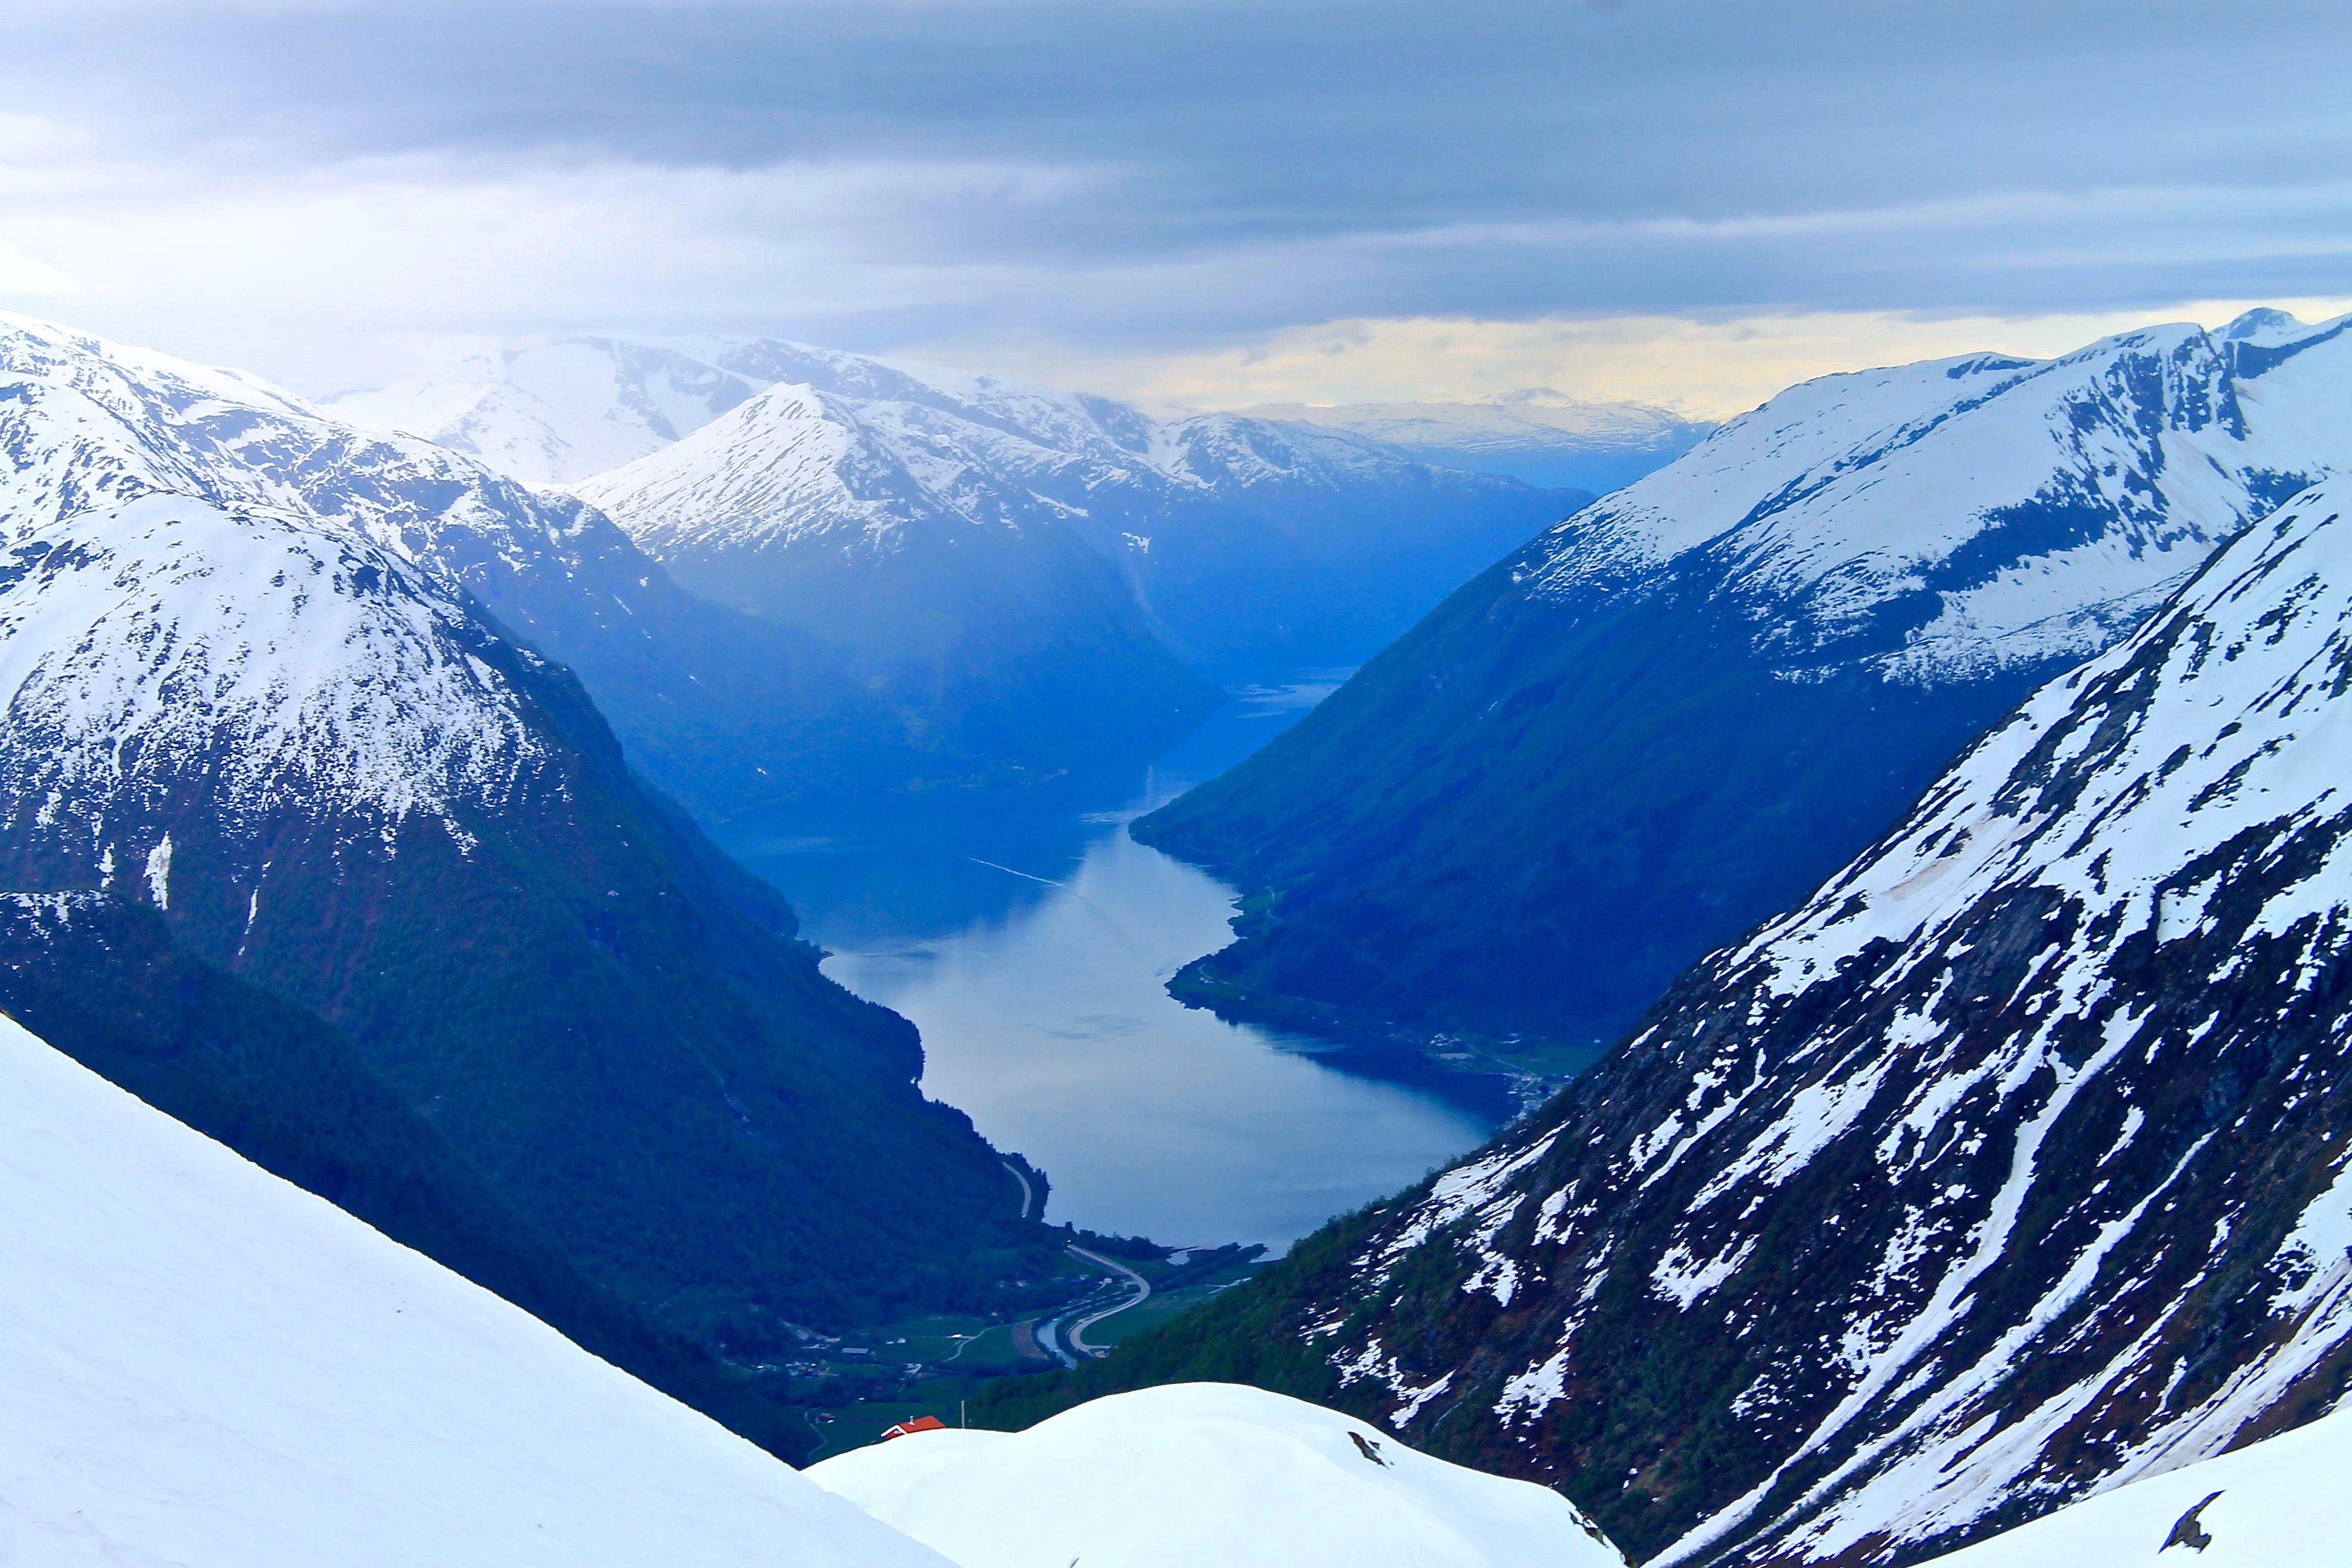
(1199, 1473)
(208, 1368)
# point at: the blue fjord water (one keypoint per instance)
(1032, 945)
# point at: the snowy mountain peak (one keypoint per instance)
(1534, 434)
(559, 412)
(562, 412)
(2265, 328)
(313, 667)
(2069, 495)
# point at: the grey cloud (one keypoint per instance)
(1245, 163)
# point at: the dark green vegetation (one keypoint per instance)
(101, 980)
(1518, 823)
(629, 1049)
(1176, 1288)
(960, 1369)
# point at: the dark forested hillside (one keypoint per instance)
(1676, 711)
(2009, 1165)
(338, 783)
(99, 977)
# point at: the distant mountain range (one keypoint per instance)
(723, 710)
(1671, 715)
(2007, 1166)
(1001, 545)
(1537, 435)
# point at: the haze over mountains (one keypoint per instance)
(943, 525)
(1542, 436)
(1666, 719)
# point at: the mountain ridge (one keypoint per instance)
(1684, 706)
(722, 709)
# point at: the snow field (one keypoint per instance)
(2284, 1503)
(208, 1368)
(1201, 1473)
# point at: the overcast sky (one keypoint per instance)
(1325, 199)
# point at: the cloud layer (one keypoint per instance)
(333, 190)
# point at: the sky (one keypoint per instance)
(1195, 201)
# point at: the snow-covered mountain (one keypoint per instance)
(863, 493)
(560, 412)
(330, 776)
(718, 708)
(1676, 711)
(2008, 1165)
(1537, 435)
(209, 1368)
(2279, 1503)
(1200, 1473)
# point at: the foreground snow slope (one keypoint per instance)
(207, 1368)
(2284, 1503)
(1204, 1473)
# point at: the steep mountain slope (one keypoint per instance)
(206, 1367)
(334, 779)
(720, 708)
(1678, 711)
(1535, 435)
(97, 976)
(2009, 1165)
(2279, 1503)
(1176, 1477)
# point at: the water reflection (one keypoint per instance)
(1032, 947)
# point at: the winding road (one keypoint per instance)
(1076, 1332)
